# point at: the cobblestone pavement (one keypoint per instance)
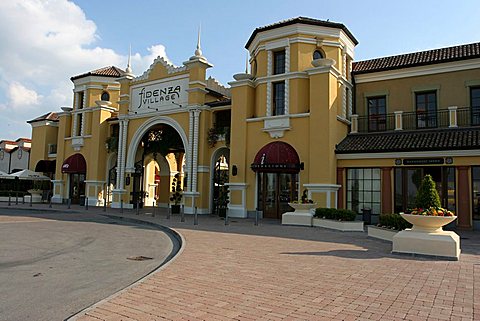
(275, 272)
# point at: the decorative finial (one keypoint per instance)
(198, 51)
(129, 68)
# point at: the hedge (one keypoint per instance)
(394, 221)
(335, 214)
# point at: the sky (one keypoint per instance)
(45, 42)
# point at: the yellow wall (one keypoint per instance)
(452, 90)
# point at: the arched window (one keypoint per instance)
(317, 54)
(105, 96)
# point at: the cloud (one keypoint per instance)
(44, 43)
(20, 96)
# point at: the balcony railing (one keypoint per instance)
(444, 118)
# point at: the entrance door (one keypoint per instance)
(277, 190)
(77, 187)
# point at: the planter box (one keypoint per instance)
(381, 233)
(344, 226)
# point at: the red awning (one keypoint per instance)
(75, 164)
(277, 157)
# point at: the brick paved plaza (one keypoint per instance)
(274, 272)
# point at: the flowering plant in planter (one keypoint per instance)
(304, 199)
(431, 211)
(428, 201)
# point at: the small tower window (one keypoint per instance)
(317, 54)
(105, 96)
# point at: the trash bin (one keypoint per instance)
(82, 200)
(367, 215)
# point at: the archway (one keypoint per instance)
(160, 152)
(219, 170)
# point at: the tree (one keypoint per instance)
(427, 195)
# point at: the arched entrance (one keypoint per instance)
(277, 165)
(218, 190)
(161, 144)
(76, 168)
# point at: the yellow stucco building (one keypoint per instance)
(303, 116)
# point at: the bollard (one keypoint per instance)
(23, 199)
(9, 199)
(86, 203)
(195, 217)
(153, 214)
(121, 206)
(104, 205)
(138, 208)
(31, 200)
(168, 212)
(256, 216)
(226, 217)
(182, 217)
(69, 202)
(16, 198)
(50, 203)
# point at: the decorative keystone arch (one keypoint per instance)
(133, 146)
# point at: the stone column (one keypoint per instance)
(119, 153)
(464, 196)
(190, 151)
(386, 191)
(196, 120)
(340, 181)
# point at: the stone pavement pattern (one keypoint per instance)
(274, 272)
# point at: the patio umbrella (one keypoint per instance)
(5, 175)
(30, 175)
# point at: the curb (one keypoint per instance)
(178, 247)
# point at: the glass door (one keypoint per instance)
(277, 190)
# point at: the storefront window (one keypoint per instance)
(363, 189)
(476, 192)
(408, 180)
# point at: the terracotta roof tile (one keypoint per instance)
(421, 58)
(409, 141)
(48, 116)
(110, 71)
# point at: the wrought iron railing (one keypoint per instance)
(444, 118)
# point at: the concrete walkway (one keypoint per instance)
(274, 272)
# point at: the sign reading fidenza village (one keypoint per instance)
(159, 96)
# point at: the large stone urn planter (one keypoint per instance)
(35, 195)
(427, 237)
(301, 216)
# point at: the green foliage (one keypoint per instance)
(427, 195)
(335, 214)
(112, 144)
(214, 134)
(394, 221)
(176, 196)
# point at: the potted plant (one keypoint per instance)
(304, 205)
(176, 196)
(223, 200)
(428, 215)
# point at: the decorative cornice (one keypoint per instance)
(160, 60)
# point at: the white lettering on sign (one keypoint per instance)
(159, 96)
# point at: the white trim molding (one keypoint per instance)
(238, 210)
(328, 189)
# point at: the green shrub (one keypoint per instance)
(394, 221)
(335, 214)
(427, 195)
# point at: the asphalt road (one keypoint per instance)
(54, 264)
